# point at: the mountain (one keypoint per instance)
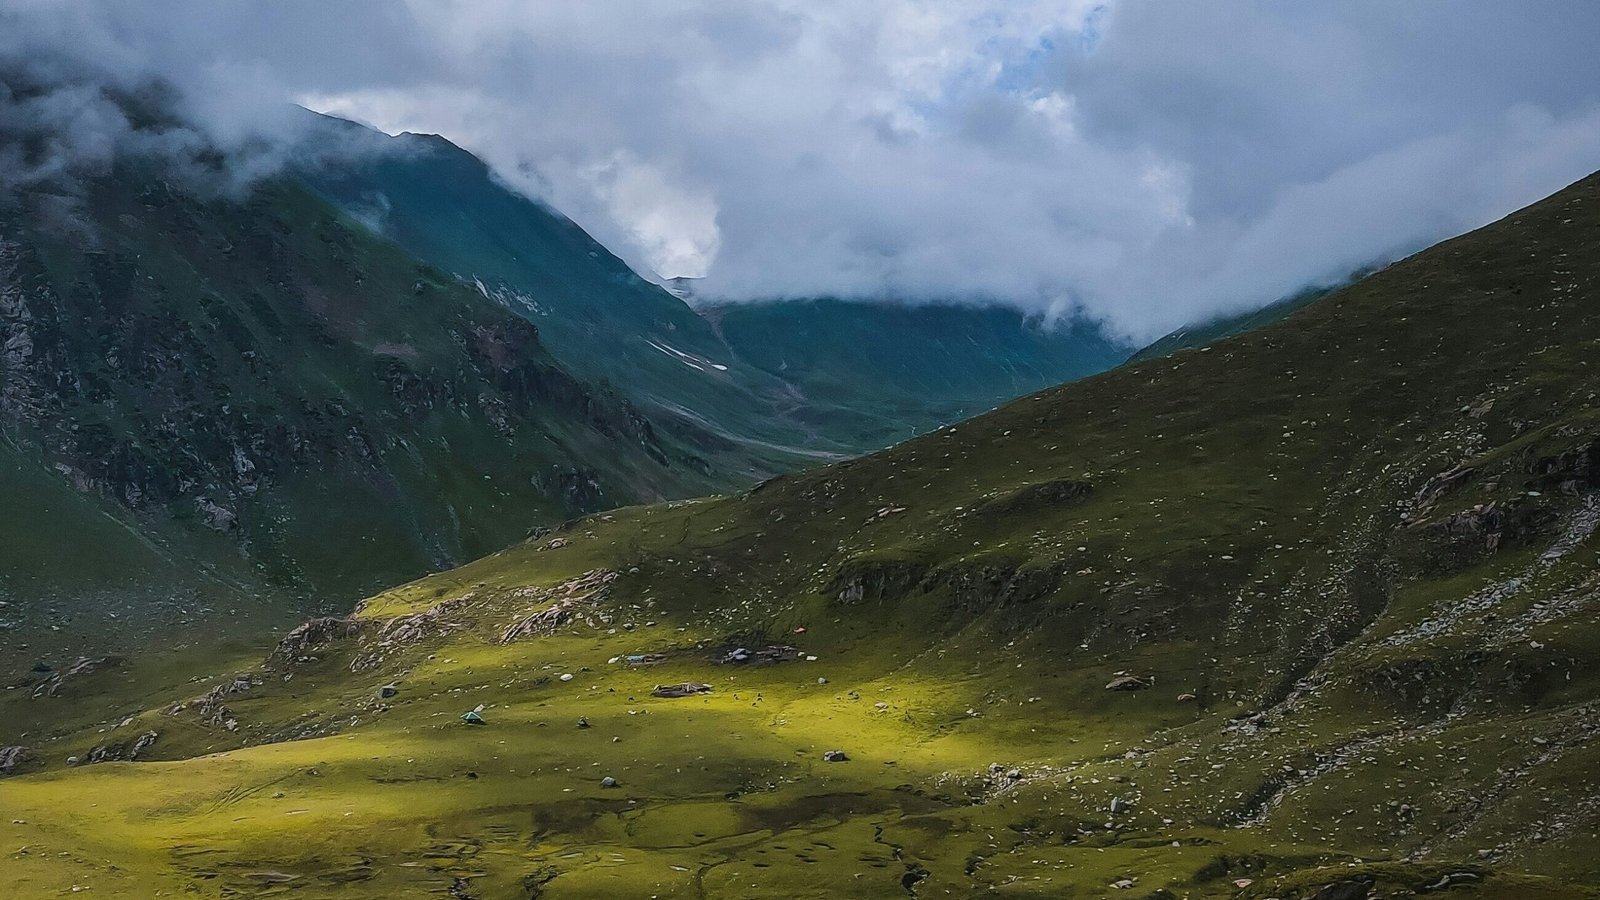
(755, 374)
(256, 389)
(910, 368)
(1309, 613)
(270, 406)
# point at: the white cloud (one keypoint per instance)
(674, 226)
(1150, 161)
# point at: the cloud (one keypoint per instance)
(1147, 162)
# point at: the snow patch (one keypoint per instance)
(688, 359)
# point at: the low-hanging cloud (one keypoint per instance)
(1145, 162)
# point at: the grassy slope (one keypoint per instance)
(1259, 533)
(1193, 337)
(74, 566)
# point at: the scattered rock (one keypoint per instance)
(1127, 683)
(768, 655)
(566, 676)
(583, 721)
(211, 707)
(1187, 698)
(686, 689)
(835, 756)
(388, 690)
(608, 782)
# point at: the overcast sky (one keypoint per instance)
(1146, 161)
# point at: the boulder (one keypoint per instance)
(10, 758)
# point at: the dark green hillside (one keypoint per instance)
(1307, 614)
(1192, 337)
(912, 367)
(264, 389)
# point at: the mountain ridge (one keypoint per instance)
(610, 324)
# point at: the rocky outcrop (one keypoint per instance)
(387, 635)
(575, 598)
(868, 579)
(11, 758)
(55, 682)
(298, 644)
(1036, 498)
(211, 707)
(129, 750)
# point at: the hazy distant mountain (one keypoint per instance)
(810, 378)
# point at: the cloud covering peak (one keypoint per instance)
(1148, 162)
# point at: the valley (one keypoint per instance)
(1307, 612)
